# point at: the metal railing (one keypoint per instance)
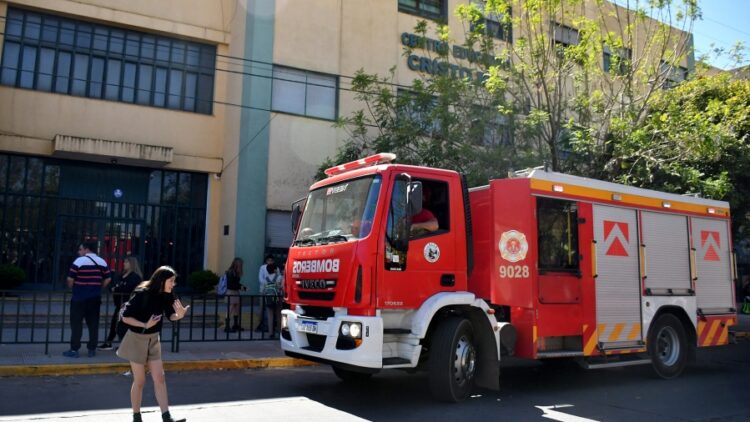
(43, 317)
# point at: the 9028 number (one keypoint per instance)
(514, 271)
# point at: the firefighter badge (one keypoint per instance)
(431, 252)
(513, 246)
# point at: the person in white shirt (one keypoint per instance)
(269, 280)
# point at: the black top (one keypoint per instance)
(127, 284)
(142, 305)
(233, 281)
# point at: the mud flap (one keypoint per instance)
(488, 366)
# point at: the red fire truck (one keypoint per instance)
(540, 265)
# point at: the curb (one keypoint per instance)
(116, 368)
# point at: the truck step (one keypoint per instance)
(559, 354)
(396, 331)
(395, 361)
(591, 365)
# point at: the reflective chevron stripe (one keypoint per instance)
(714, 330)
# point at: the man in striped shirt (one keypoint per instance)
(88, 275)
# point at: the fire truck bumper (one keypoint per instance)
(349, 340)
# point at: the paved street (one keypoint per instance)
(715, 388)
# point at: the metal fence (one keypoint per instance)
(43, 317)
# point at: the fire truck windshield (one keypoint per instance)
(339, 213)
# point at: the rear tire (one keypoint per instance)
(667, 346)
(349, 376)
(453, 360)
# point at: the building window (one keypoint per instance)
(618, 63)
(564, 36)
(557, 229)
(55, 54)
(430, 9)
(305, 93)
(494, 26)
(418, 110)
(674, 74)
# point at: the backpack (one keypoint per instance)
(221, 289)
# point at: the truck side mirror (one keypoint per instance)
(297, 214)
(415, 198)
(398, 226)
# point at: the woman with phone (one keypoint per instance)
(142, 315)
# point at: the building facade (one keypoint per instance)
(181, 131)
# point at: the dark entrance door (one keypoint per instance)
(115, 239)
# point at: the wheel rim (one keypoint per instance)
(465, 361)
(667, 346)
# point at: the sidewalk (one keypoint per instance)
(30, 360)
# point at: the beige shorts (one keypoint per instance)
(233, 297)
(140, 348)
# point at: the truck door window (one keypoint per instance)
(435, 209)
(557, 230)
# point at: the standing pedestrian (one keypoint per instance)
(130, 278)
(234, 275)
(87, 276)
(271, 290)
(142, 315)
(262, 276)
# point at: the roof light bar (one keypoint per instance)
(383, 157)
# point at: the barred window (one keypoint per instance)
(305, 93)
(55, 54)
(430, 9)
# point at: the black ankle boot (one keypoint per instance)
(237, 326)
(137, 417)
(166, 417)
(228, 328)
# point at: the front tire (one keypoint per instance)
(351, 376)
(667, 346)
(453, 360)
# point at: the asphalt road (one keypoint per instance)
(717, 387)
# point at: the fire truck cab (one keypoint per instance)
(540, 265)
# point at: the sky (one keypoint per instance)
(724, 23)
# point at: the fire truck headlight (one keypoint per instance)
(355, 330)
(284, 322)
(351, 329)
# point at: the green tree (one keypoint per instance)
(695, 139)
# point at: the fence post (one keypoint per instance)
(49, 313)
(176, 336)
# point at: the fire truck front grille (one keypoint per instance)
(318, 312)
(316, 342)
(317, 295)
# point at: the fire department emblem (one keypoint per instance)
(513, 246)
(431, 252)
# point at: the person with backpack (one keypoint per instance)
(270, 287)
(87, 276)
(233, 276)
(142, 315)
(130, 278)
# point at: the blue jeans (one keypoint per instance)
(87, 309)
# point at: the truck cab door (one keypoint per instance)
(429, 264)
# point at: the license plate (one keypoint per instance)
(309, 327)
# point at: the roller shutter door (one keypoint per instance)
(618, 296)
(278, 229)
(713, 265)
(667, 253)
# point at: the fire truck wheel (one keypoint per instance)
(453, 360)
(350, 376)
(667, 346)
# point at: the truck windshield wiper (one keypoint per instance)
(333, 238)
(304, 242)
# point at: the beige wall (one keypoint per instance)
(30, 119)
